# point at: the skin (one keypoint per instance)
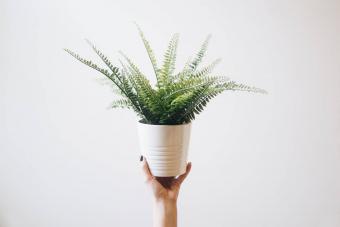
(165, 192)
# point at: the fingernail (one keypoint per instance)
(141, 158)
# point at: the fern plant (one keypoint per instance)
(176, 98)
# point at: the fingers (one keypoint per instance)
(150, 179)
(182, 177)
(145, 168)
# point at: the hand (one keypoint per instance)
(165, 191)
(164, 188)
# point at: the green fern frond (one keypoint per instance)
(103, 58)
(147, 98)
(169, 62)
(232, 85)
(208, 69)
(150, 53)
(198, 103)
(121, 103)
(88, 63)
(112, 76)
(132, 66)
(138, 79)
(192, 84)
(199, 56)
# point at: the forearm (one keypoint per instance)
(165, 213)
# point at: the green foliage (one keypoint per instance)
(176, 98)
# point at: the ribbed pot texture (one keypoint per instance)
(165, 148)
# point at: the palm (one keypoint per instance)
(165, 188)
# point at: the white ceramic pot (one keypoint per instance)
(165, 148)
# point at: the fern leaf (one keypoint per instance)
(208, 69)
(146, 95)
(121, 103)
(88, 63)
(103, 57)
(232, 85)
(112, 77)
(150, 53)
(169, 62)
(198, 102)
(199, 56)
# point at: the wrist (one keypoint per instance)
(165, 204)
(165, 213)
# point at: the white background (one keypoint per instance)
(258, 160)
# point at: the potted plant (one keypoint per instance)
(167, 109)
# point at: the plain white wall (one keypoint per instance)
(274, 160)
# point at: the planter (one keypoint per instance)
(165, 147)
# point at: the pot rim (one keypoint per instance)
(177, 125)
